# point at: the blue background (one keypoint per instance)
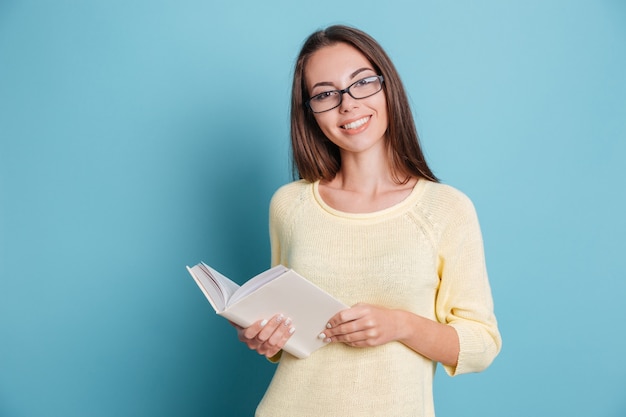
(140, 136)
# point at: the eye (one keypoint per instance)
(326, 95)
(365, 82)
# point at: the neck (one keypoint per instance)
(362, 174)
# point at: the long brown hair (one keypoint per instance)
(314, 157)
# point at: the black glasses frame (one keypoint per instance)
(345, 90)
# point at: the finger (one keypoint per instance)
(359, 324)
(277, 339)
(358, 339)
(253, 330)
(270, 327)
(331, 332)
(353, 313)
(282, 333)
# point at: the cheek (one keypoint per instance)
(385, 119)
(382, 112)
(324, 123)
(382, 104)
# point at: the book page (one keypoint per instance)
(256, 282)
(225, 285)
(215, 286)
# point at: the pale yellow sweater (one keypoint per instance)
(424, 255)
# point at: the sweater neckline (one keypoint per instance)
(398, 207)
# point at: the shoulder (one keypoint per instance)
(442, 205)
(290, 195)
(286, 205)
(291, 190)
(444, 197)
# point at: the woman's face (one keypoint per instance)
(355, 125)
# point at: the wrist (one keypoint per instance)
(404, 329)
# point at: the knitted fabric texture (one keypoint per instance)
(424, 255)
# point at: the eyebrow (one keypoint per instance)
(354, 74)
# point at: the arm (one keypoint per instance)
(464, 337)
(368, 325)
(464, 299)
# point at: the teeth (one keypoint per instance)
(356, 124)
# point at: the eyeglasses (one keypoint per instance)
(329, 100)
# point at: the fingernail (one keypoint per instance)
(292, 330)
(327, 340)
(280, 318)
(263, 323)
(328, 325)
(287, 322)
(321, 336)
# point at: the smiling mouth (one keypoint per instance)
(356, 124)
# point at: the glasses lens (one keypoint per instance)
(365, 87)
(325, 101)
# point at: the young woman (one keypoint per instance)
(370, 223)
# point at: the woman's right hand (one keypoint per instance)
(267, 337)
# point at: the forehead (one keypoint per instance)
(334, 63)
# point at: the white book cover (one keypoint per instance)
(276, 290)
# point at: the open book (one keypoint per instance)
(276, 290)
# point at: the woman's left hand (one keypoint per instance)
(363, 325)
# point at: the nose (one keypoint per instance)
(347, 102)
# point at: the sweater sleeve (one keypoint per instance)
(464, 298)
(274, 240)
(278, 209)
